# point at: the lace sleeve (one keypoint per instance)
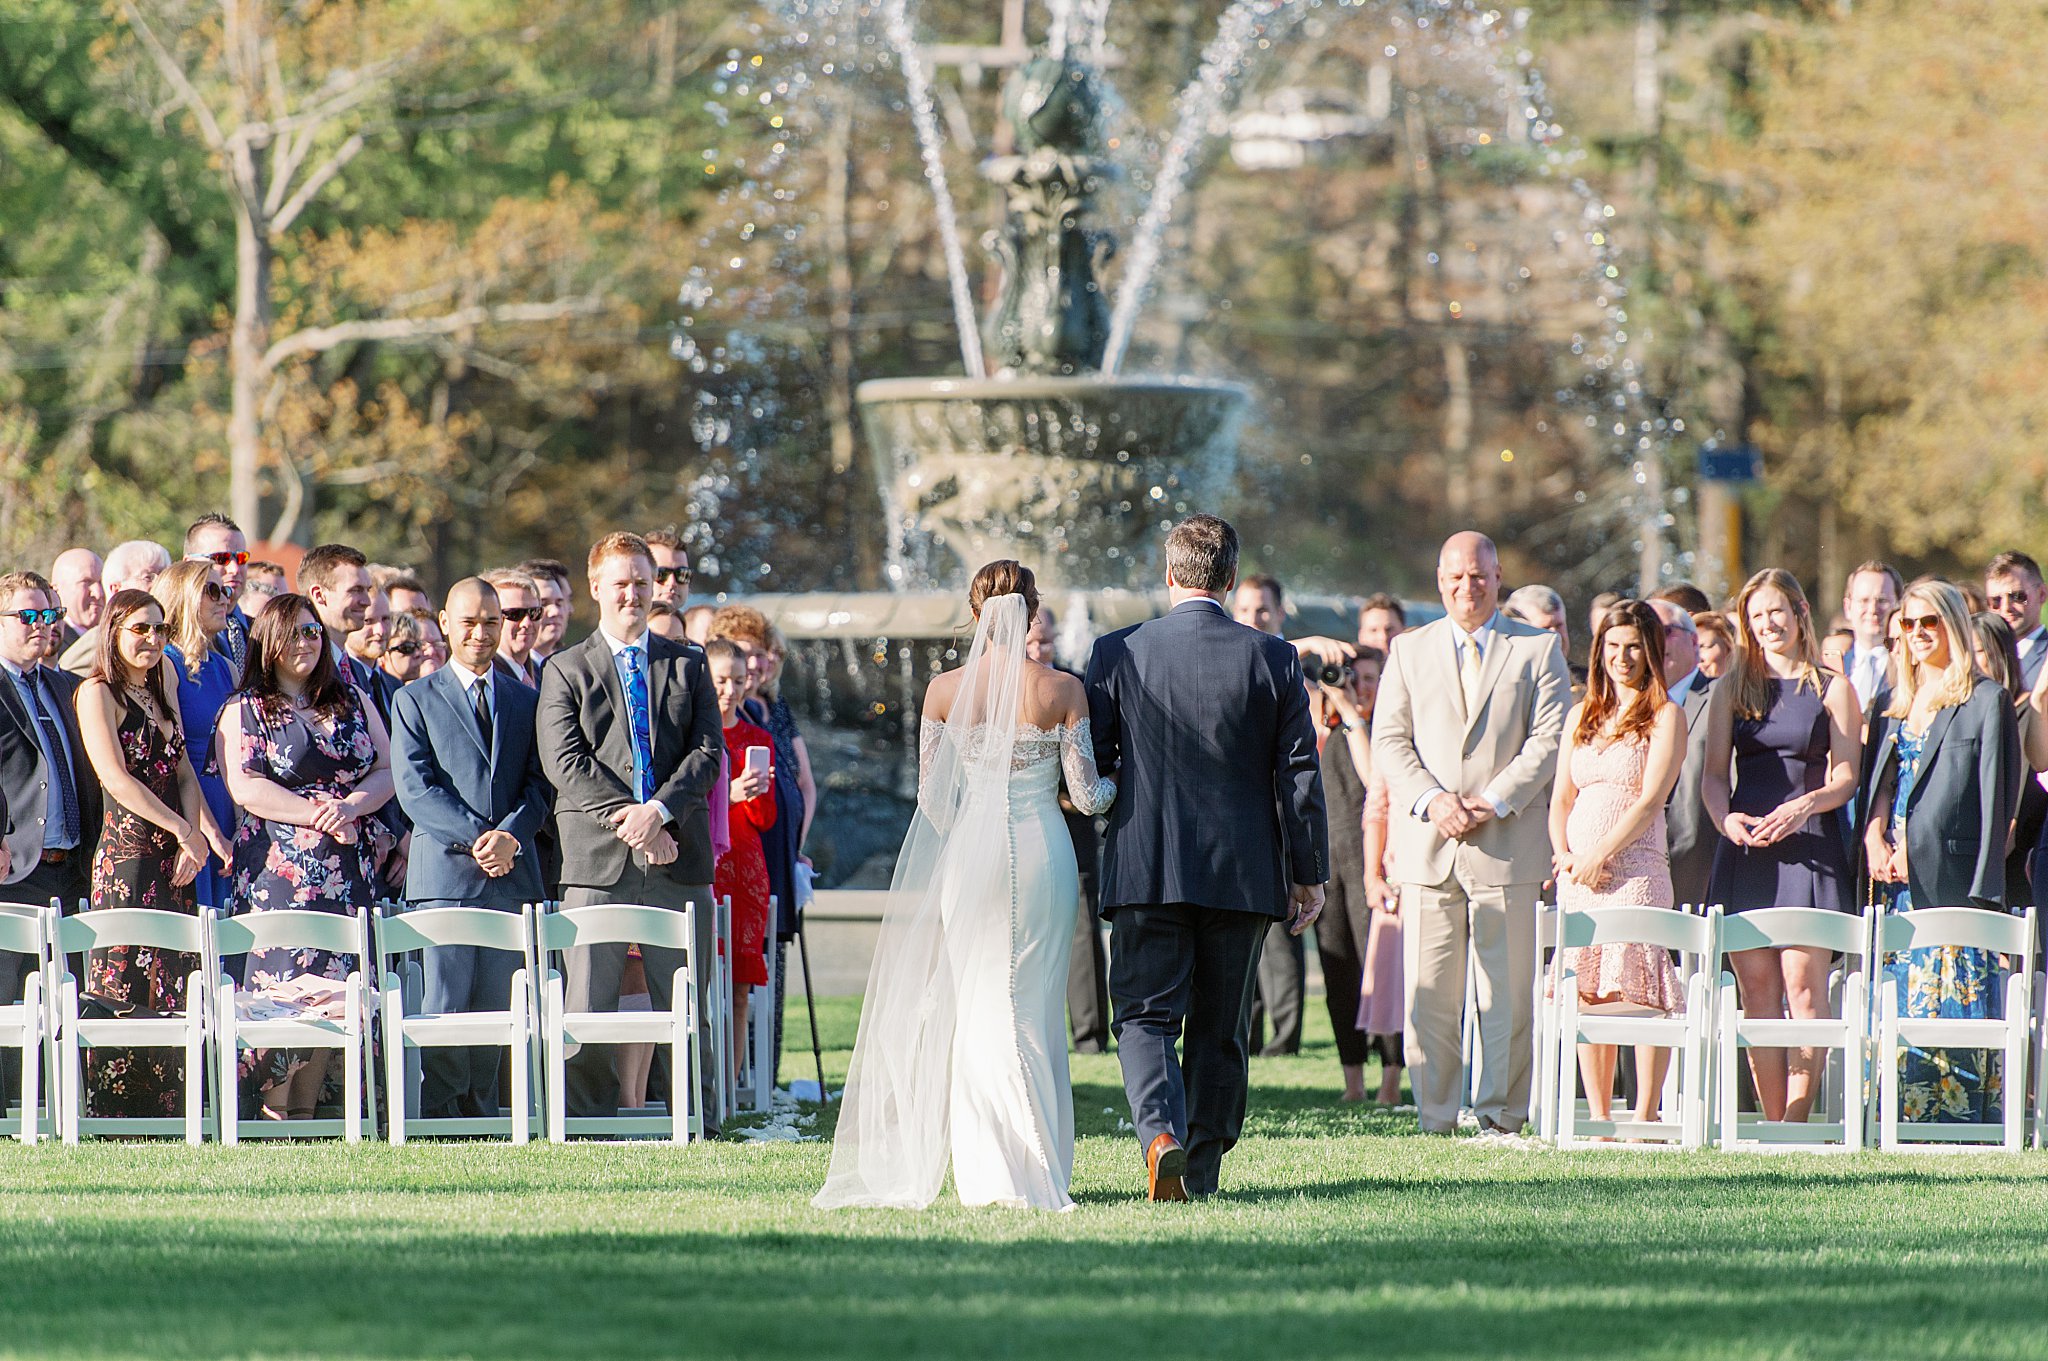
(930, 732)
(1090, 791)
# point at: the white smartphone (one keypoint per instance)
(758, 758)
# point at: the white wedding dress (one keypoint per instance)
(962, 1054)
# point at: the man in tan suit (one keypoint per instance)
(1470, 713)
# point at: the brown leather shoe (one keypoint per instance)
(1166, 1162)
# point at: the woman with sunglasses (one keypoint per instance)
(1945, 758)
(405, 648)
(196, 605)
(308, 762)
(155, 835)
(1791, 734)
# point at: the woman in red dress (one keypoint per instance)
(742, 872)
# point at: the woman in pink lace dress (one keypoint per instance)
(1622, 748)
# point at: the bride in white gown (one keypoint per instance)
(962, 1052)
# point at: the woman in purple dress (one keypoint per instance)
(308, 763)
(1793, 737)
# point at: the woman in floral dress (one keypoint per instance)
(308, 763)
(1945, 757)
(155, 836)
(1623, 745)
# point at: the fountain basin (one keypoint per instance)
(1076, 477)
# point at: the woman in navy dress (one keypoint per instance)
(196, 610)
(308, 763)
(1793, 736)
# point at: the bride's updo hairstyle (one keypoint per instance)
(1006, 576)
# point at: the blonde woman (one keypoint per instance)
(1940, 795)
(1791, 735)
(196, 605)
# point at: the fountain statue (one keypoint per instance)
(1048, 459)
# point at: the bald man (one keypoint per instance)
(469, 779)
(75, 576)
(1471, 711)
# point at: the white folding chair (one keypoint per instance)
(565, 928)
(1549, 964)
(1975, 928)
(25, 1025)
(291, 929)
(407, 1029)
(757, 1053)
(1844, 1034)
(102, 929)
(1693, 937)
(721, 1015)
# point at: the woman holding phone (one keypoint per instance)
(742, 872)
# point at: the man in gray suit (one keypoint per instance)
(1689, 832)
(630, 738)
(469, 779)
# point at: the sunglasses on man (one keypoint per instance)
(37, 618)
(519, 614)
(221, 559)
(403, 649)
(680, 575)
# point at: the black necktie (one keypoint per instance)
(483, 710)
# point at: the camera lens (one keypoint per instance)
(1332, 674)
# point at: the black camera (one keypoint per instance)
(1333, 673)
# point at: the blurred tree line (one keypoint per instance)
(411, 269)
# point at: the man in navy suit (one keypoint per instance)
(1218, 829)
(469, 776)
(214, 538)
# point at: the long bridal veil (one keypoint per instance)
(949, 901)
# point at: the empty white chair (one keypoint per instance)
(158, 930)
(1845, 1033)
(1975, 928)
(25, 1025)
(406, 1032)
(566, 928)
(757, 1046)
(291, 929)
(726, 1064)
(1549, 966)
(1693, 937)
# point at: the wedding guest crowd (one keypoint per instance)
(239, 745)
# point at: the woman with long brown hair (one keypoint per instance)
(308, 762)
(1623, 745)
(1792, 735)
(155, 836)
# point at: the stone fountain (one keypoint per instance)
(1048, 459)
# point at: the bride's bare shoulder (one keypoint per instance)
(1052, 696)
(938, 696)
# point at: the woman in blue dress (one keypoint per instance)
(196, 610)
(1945, 757)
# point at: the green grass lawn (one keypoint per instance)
(1339, 1233)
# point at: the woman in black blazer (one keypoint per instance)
(1939, 790)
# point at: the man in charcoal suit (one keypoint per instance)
(1690, 833)
(630, 738)
(468, 773)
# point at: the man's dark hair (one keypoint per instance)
(320, 564)
(2014, 564)
(1380, 600)
(665, 537)
(213, 519)
(1685, 595)
(1201, 553)
(550, 568)
(1883, 569)
(1260, 581)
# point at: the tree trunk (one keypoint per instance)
(247, 373)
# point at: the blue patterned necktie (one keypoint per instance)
(643, 731)
(60, 756)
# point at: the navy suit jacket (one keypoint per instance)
(454, 791)
(1220, 795)
(24, 778)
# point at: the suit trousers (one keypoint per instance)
(67, 883)
(455, 1080)
(1088, 984)
(1282, 993)
(593, 985)
(1182, 976)
(1496, 925)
